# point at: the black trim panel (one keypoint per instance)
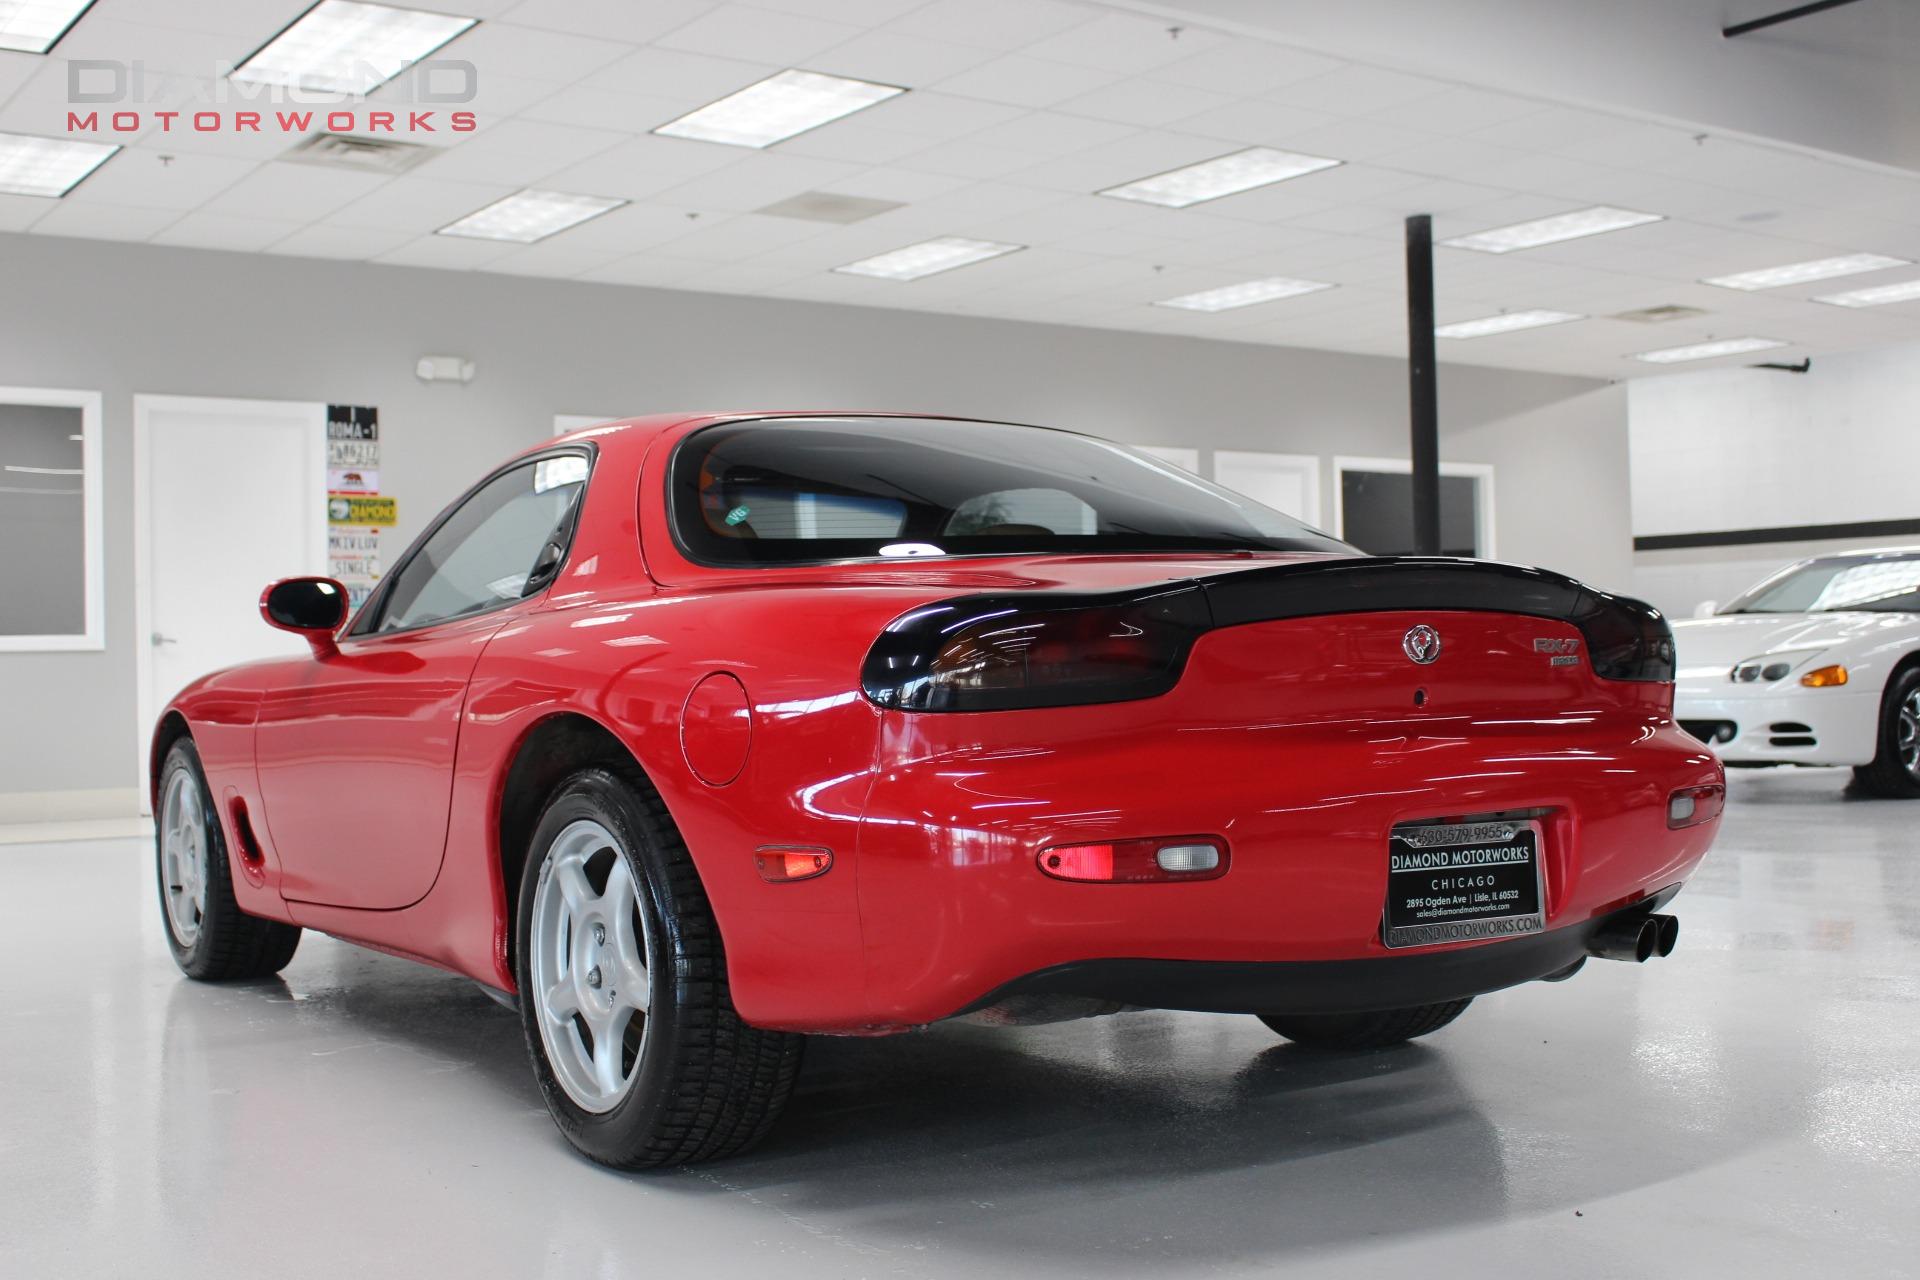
(1781, 533)
(1315, 986)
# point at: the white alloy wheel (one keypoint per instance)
(588, 957)
(183, 856)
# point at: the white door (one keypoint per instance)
(1287, 482)
(228, 496)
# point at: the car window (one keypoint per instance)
(1842, 583)
(505, 542)
(800, 490)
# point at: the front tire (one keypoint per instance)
(1376, 1030)
(639, 1053)
(1895, 771)
(211, 938)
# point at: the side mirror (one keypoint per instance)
(1706, 608)
(309, 607)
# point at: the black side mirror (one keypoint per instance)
(310, 607)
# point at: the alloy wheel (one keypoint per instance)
(183, 856)
(588, 953)
(1906, 733)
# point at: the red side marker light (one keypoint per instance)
(1692, 806)
(1159, 860)
(785, 863)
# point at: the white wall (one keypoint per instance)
(133, 318)
(1734, 449)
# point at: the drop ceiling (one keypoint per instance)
(1018, 112)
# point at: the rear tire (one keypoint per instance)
(639, 1053)
(1895, 771)
(211, 938)
(1365, 1030)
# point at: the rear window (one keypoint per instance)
(794, 491)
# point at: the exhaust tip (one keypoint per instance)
(1666, 930)
(1646, 941)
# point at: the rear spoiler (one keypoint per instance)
(1626, 639)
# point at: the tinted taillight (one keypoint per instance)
(1694, 805)
(1626, 639)
(1000, 653)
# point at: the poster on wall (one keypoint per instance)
(357, 513)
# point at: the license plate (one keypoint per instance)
(1458, 882)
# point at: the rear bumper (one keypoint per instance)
(1296, 987)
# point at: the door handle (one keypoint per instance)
(156, 639)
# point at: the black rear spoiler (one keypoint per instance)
(1626, 639)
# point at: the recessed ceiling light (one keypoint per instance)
(35, 26)
(47, 166)
(1222, 176)
(1562, 226)
(777, 108)
(1252, 293)
(1708, 350)
(529, 216)
(1505, 322)
(1804, 272)
(1877, 296)
(928, 257)
(345, 46)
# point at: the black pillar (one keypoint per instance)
(1422, 384)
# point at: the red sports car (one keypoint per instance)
(690, 735)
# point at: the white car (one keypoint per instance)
(1818, 664)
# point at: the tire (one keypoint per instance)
(1895, 771)
(211, 938)
(611, 901)
(1365, 1030)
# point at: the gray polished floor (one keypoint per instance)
(1749, 1107)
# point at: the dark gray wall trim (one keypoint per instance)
(1784, 533)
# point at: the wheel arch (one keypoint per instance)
(554, 748)
(172, 727)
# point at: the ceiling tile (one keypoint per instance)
(293, 192)
(1144, 102)
(530, 53)
(1027, 82)
(606, 19)
(1052, 133)
(1125, 44)
(212, 231)
(643, 167)
(152, 181)
(17, 213)
(760, 35)
(889, 57)
(353, 243)
(417, 204)
(103, 221)
(759, 180)
(692, 79)
(1246, 66)
(993, 24)
(522, 152)
(457, 253)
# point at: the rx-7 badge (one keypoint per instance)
(1564, 652)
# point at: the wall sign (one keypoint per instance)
(363, 508)
(352, 422)
(353, 480)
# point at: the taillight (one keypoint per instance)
(1692, 806)
(1156, 861)
(1627, 639)
(989, 653)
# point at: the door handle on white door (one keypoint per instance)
(157, 639)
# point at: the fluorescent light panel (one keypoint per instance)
(1249, 294)
(1708, 350)
(344, 46)
(528, 216)
(1222, 176)
(35, 26)
(49, 167)
(1562, 226)
(777, 108)
(1505, 322)
(929, 257)
(1878, 295)
(1851, 264)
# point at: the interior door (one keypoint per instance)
(355, 750)
(229, 495)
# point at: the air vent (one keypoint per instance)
(825, 206)
(1660, 315)
(368, 155)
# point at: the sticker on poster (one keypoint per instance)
(353, 480)
(353, 453)
(353, 422)
(363, 508)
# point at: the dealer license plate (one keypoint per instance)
(1458, 882)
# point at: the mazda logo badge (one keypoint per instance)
(1422, 644)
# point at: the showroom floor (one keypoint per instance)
(1750, 1106)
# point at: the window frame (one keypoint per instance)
(92, 637)
(363, 624)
